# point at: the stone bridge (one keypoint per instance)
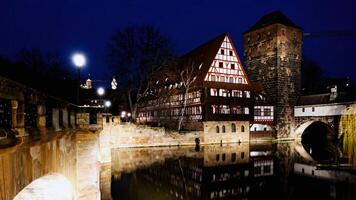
(26, 110)
(327, 114)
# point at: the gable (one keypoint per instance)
(226, 66)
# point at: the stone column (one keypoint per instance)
(41, 118)
(20, 118)
(65, 118)
(72, 119)
(55, 119)
(14, 106)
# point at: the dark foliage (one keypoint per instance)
(134, 54)
(45, 73)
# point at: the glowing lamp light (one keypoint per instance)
(129, 114)
(100, 91)
(79, 60)
(123, 114)
(107, 104)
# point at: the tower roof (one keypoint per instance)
(276, 17)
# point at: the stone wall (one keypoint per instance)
(131, 135)
(212, 136)
(22, 164)
(273, 56)
(72, 154)
(83, 119)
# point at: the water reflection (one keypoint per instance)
(238, 171)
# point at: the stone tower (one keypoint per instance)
(272, 51)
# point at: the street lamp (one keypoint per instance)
(79, 62)
(107, 104)
(100, 91)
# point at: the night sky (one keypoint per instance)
(66, 26)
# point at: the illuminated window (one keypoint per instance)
(236, 110)
(231, 80)
(258, 112)
(213, 92)
(267, 112)
(212, 78)
(224, 109)
(237, 93)
(215, 109)
(246, 111)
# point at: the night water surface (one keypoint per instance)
(290, 170)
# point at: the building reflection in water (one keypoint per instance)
(237, 171)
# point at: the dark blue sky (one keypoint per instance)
(67, 26)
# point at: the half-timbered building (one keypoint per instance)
(208, 89)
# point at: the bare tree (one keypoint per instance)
(187, 77)
(135, 53)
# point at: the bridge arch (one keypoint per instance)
(53, 186)
(303, 127)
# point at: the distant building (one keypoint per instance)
(220, 100)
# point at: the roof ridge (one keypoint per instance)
(275, 17)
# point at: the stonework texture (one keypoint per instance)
(273, 56)
(211, 135)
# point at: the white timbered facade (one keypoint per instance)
(220, 101)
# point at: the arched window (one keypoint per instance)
(233, 127)
(242, 129)
(217, 129)
(223, 129)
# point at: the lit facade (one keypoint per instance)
(221, 100)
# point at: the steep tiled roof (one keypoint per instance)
(276, 17)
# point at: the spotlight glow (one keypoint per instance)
(79, 60)
(107, 104)
(100, 91)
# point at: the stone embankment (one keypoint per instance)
(25, 167)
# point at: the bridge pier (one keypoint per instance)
(55, 119)
(41, 118)
(18, 117)
(65, 118)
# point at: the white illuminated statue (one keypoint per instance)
(113, 83)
